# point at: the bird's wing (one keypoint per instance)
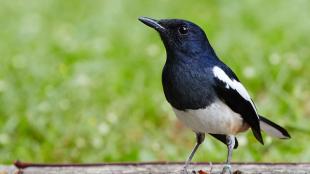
(232, 92)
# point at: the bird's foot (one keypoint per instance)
(181, 171)
(226, 169)
(185, 170)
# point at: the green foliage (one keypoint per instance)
(80, 81)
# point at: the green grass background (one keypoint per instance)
(80, 81)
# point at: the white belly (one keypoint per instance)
(217, 118)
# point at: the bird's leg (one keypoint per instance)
(199, 139)
(230, 142)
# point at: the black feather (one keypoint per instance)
(222, 138)
(237, 103)
(279, 128)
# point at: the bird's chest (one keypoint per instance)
(187, 87)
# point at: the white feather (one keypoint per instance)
(216, 118)
(232, 83)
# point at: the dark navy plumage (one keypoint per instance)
(182, 64)
(205, 94)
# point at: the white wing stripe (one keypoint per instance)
(234, 84)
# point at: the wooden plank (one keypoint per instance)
(161, 168)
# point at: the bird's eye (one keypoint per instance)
(183, 30)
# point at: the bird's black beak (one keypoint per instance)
(152, 23)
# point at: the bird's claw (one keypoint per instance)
(182, 171)
(226, 169)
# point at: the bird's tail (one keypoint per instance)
(272, 129)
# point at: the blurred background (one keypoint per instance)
(80, 81)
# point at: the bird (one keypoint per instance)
(205, 94)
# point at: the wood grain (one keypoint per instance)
(161, 168)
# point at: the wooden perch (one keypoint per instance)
(155, 168)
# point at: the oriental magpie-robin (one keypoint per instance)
(206, 94)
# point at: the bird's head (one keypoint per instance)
(180, 36)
